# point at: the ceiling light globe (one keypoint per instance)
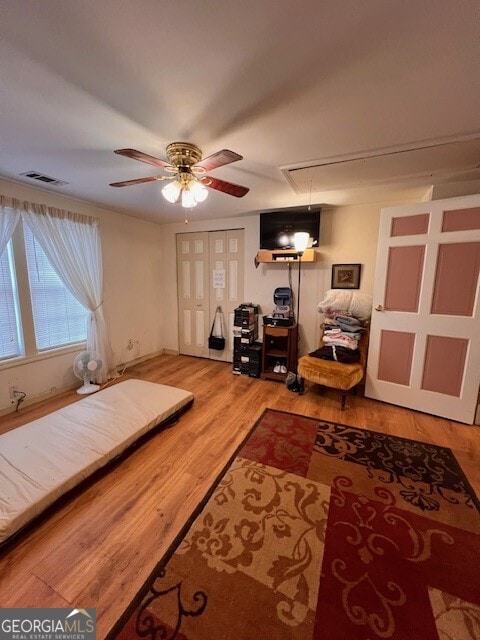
(171, 191)
(199, 191)
(188, 199)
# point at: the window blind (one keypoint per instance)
(10, 345)
(58, 317)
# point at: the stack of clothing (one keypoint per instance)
(342, 331)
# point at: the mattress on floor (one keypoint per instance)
(42, 460)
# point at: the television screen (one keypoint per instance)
(277, 228)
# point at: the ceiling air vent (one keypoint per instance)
(41, 177)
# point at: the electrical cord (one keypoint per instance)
(290, 283)
(22, 395)
(114, 379)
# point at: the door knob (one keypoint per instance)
(379, 307)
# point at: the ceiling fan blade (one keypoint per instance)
(227, 187)
(127, 183)
(143, 157)
(225, 156)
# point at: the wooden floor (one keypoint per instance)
(98, 549)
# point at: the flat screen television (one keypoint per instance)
(277, 227)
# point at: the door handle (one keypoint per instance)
(379, 307)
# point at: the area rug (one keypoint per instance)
(320, 530)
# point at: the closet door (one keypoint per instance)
(193, 293)
(210, 268)
(226, 282)
(425, 339)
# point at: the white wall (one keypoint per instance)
(347, 234)
(133, 299)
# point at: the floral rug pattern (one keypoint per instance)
(317, 530)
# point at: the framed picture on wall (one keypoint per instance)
(346, 276)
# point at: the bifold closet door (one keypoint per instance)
(210, 268)
(193, 293)
(226, 282)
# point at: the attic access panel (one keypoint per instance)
(385, 167)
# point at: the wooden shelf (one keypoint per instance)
(271, 375)
(277, 353)
(279, 345)
(280, 256)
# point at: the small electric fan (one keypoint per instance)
(86, 366)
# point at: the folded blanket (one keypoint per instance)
(347, 320)
(342, 340)
(354, 335)
(337, 353)
(331, 329)
(349, 328)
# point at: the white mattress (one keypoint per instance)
(43, 459)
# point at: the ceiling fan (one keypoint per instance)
(188, 173)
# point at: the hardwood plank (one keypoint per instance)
(98, 548)
(31, 590)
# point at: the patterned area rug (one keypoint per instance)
(320, 530)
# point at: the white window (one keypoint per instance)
(58, 317)
(10, 345)
(52, 316)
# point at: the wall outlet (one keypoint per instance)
(11, 390)
(130, 344)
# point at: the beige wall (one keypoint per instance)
(133, 300)
(347, 234)
(140, 282)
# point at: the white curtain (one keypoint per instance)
(9, 217)
(71, 242)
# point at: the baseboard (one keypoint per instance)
(39, 398)
(74, 385)
(131, 363)
(171, 352)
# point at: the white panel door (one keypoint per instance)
(226, 269)
(425, 333)
(193, 293)
(210, 268)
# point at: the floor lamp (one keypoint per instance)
(300, 243)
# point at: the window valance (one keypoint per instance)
(42, 209)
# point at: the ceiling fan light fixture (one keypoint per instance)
(171, 191)
(189, 185)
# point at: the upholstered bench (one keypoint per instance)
(335, 375)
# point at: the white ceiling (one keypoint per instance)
(285, 83)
